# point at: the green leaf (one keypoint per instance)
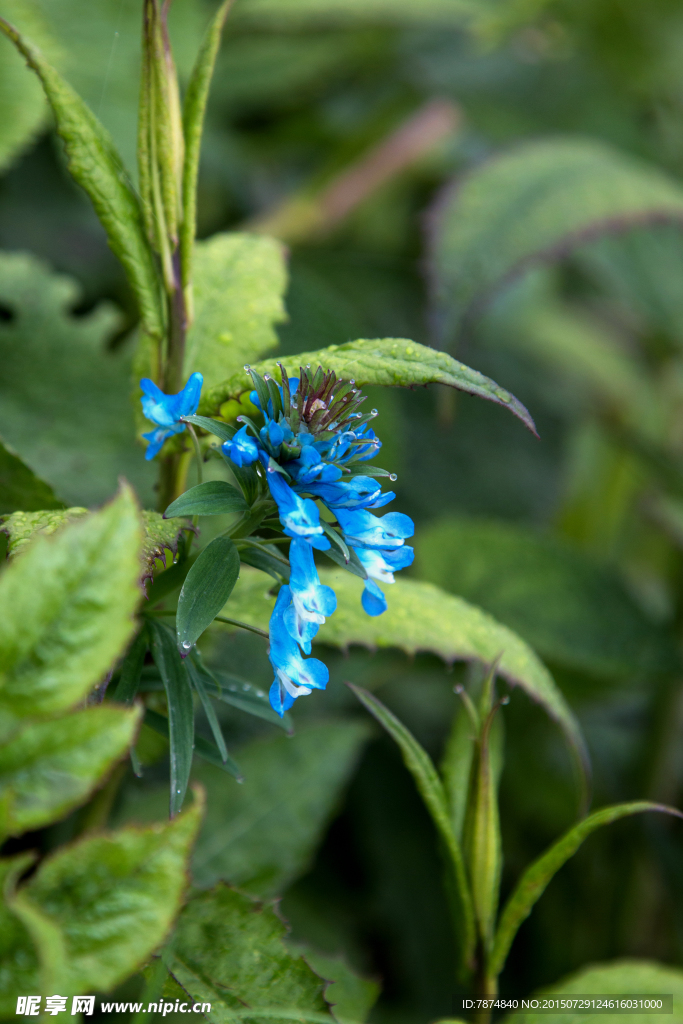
(534, 204)
(420, 765)
(96, 166)
(207, 751)
(573, 609)
(194, 109)
(392, 362)
(109, 900)
(131, 669)
(198, 677)
(66, 611)
(261, 836)
(225, 431)
(420, 617)
(627, 977)
(160, 536)
(239, 283)
(212, 498)
(207, 587)
(21, 98)
(22, 527)
(269, 561)
(533, 882)
(18, 959)
(247, 697)
(350, 996)
(50, 767)
(230, 952)
(180, 708)
(20, 488)
(64, 393)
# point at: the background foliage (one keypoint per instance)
(536, 234)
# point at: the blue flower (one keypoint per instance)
(242, 449)
(358, 492)
(299, 516)
(166, 410)
(294, 676)
(311, 601)
(381, 565)
(362, 529)
(309, 467)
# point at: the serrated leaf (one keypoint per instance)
(212, 498)
(109, 901)
(207, 587)
(421, 617)
(160, 536)
(66, 611)
(239, 283)
(431, 788)
(392, 362)
(230, 952)
(96, 166)
(48, 768)
(19, 964)
(533, 882)
(573, 609)
(180, 708)
(627, 977)
(194, 109)
(20, 488)
(533, 204)
(261, 836)
(350, 996)
(22, 527)
(64, 393)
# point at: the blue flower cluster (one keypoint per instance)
(312, 445)
(166, 411)
(311, 448)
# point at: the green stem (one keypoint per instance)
(197, 453)
(242, 625)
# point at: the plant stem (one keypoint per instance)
(197, 453)
(486, 988)
(242, 625)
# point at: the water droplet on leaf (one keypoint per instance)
(392, 477)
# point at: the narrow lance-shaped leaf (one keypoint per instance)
(421, 767)
(212, 498)
(393, 362)
(96, 166)
(207, 587)
(131, 669)
(533, 882)
(180, 709)
(194, 109)
(244, 695)
(225, 431)
(202, 748)
(196, 674)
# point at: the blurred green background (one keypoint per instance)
(340, 125)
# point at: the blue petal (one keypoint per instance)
(296, 675)
(359, 492)
(189, 396)
(166, 410)
(373, 600)
(242, 448)
(363, 529)
(299, 516)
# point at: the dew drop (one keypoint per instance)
(373, 412)
(352, 382)
(308, 366)
(246, 687)
(266, 376)
(247, 367)
(392, 477)
(186, 645)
